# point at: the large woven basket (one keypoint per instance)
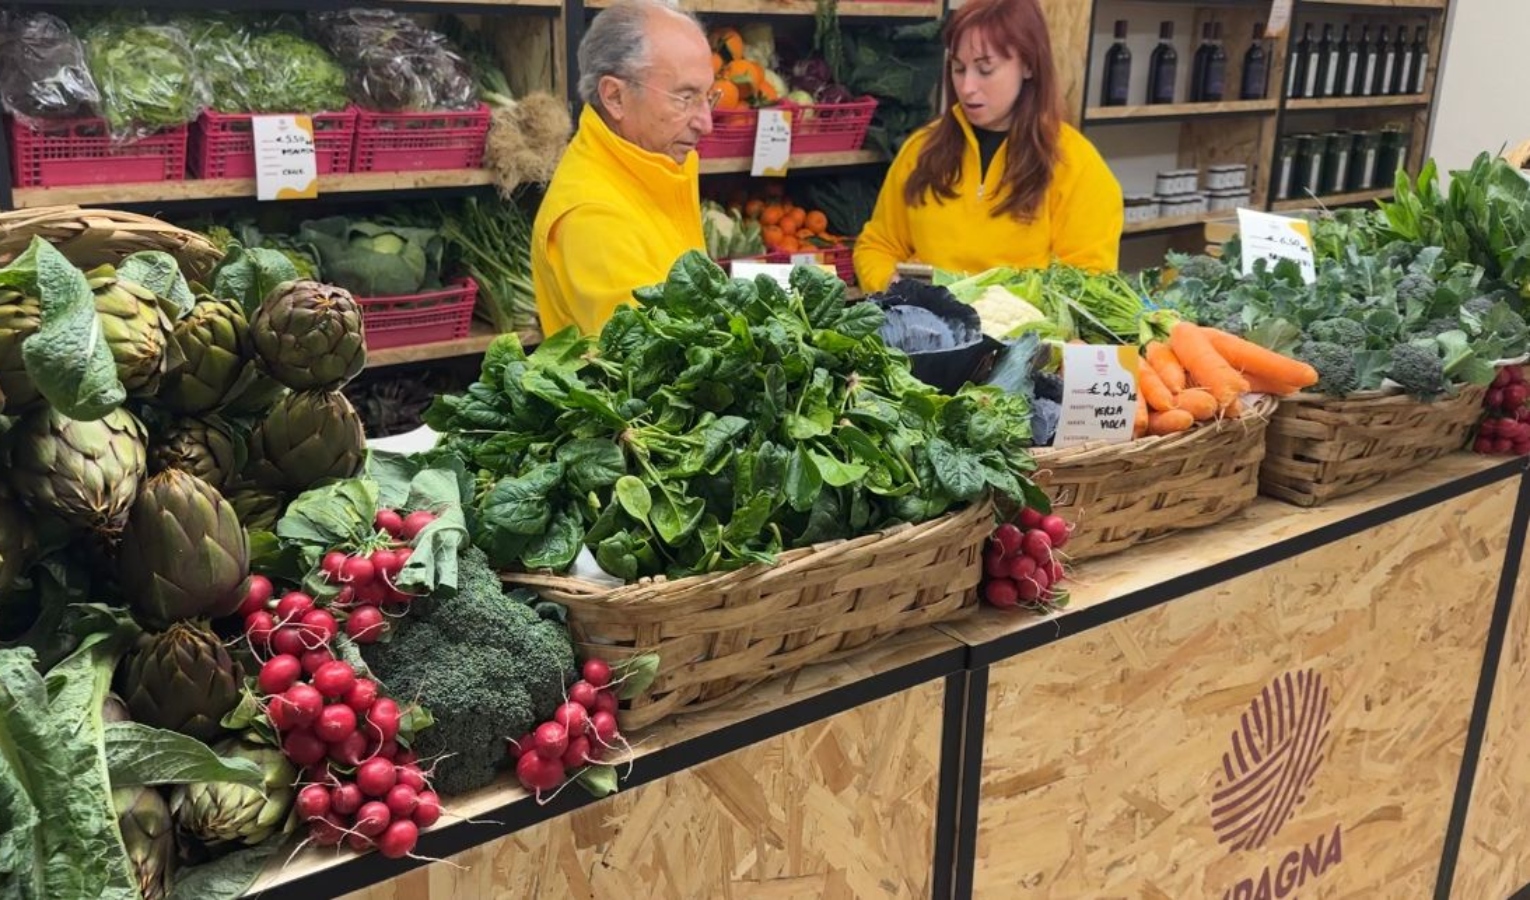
(718, 635)
(1321, 447)
(93, 237)
(1121, 495)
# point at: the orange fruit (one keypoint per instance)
(789, 244)
(795, 216)
(816, 222)
(717, 64)
(753, 208)
(730, 99)
(772, 235)
(772, 215)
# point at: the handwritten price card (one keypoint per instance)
(1099, 394)
(772, 144)
(285, 165)
(1274, 238)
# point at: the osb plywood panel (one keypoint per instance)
(1495, 850)
(1302, 724)
(843, 808)
(1068, 26)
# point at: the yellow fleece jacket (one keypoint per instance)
(615, 218)
(1078, 223)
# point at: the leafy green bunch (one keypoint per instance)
(717, 424)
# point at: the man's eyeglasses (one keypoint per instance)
(687, 102)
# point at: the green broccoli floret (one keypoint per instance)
(1417, 366)
(1203, 268)
(1479, 306)
(1416, 289)
(1234, 325)
(1338, 331)
(485, 663)
(1335, 365)
(1436, 327)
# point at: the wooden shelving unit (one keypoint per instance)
(241, 188)
(1105, 114)
(1352, 198)
(1170, 223)
(1333, 104)
(882, 9)
(802, 161)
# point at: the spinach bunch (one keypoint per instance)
(715, 425)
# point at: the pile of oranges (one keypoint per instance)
(743, 83)
(785, 226)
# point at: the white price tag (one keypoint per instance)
(772, 144)
(285, 165)
(1274, 238)
(1099, 394)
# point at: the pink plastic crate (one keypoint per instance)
(427, 318)
(841, 258)
(80, 151)
(223, 145)
(820, 128)
(411, 142)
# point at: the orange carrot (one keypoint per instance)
(1141, 426)
(1250, 358)
(1149, 385)
(1161, 358)
(1233, 410)
(1171, 422)
(1203, 364)
(1197, 402)
(1262, 385)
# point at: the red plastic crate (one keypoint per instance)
(820, 128)
(841, 258)
(411, 142)
(427, 318)
(80, 151)
(223, 144)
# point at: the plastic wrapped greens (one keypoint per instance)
(290, 73)
(221, 46)
(394, 65)
(147, 74)
(43, 73)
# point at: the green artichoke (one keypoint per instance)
(258, 510)
(139, 329)
(18, 542)
(182, 679)
(308, 336)
(184, 554)
(231, 813)
(86, 473)
(19, 318)
(148, 833)
(307, 438)
(214, 340)
(206, 448)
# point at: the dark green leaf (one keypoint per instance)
(674, 519)
(522, 505)
(592, 463)
(556, 548)
(227, 877)
(959, 472)
(633, 496)
(836, 473)
(337, 515)
(68, 358)
(803, 481)
(137, 754)
(635, 674)
(158, 271)
(599, 780)
(859, 320)
(749, 519)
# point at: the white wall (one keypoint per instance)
(1481, 104)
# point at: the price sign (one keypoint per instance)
(780, 272)
(1274, 238)
(285, 165)
(772, 144)
(1099, 394)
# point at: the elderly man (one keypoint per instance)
(625, 201)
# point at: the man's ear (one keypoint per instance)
(613, 95)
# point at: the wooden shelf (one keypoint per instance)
(800, 161)
(911, 9)
(480, 336)
(1170, 223)
(1324, 104)
(219, 188)
(1104, 114)
(1395, 4)
(1349, 199)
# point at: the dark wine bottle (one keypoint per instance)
(1163, 66)
(1386, 52)
(1256, 67)
(1328, 64)
(1349, 65)
(1420, 60)
(1296, 76)
(1118, 70)
(1402, 78)
(1369, 59)
(1198, 70)
(1314, 66)
(1215, 85)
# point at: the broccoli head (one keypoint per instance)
(1436, 327)
(1479, 306)
(1347, 332)
(1335, 366)
(1416, 290)
(1418, 368)
(485, 663)
(1202, 268)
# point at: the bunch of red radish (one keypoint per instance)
(1505, 429)
(581, 732)
(1020, 564)
(359, 784)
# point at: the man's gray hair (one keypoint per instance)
(617, 43)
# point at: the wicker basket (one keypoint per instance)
(1323, 447)
(1121, 495)
(718, 635)
(93, 237)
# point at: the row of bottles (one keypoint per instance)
(1346, 68)
(1208, 79)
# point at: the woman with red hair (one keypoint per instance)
(998, 178)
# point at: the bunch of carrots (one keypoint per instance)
(1200, 373)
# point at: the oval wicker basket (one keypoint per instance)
(1121, 495)
(1322, 447)
(718, 635)
(93, 237)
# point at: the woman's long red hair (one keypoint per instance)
(1011, 28)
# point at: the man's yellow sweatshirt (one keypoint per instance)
(615, 218)
(1078, 223)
